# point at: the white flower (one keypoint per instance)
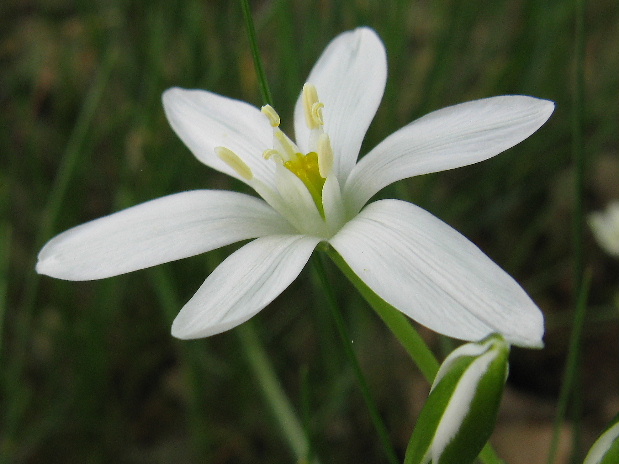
(605, 228)
(314, 190)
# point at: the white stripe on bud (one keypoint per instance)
(606, 449)
(460, 413)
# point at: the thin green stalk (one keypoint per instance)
(572, 365)
(70, 160)
(259, 364)
(273, 392)
(256, 355)
(578, 149)
(379, 425)
(394, 319)
(571, 381)
(169, 302)
(253, 43)
(406, 334)
(5, 247)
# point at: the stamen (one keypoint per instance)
(270, 153)
(235, 162)
(313, 107)
(270, 113)
(325, 156)
(286, 147)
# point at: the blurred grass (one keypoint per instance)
(89, 372)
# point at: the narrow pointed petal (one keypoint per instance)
(158, 231)
(204, 120)
(433, 274)
(449, 138)
(350, 78)
(243, 284)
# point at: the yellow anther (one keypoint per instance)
(312, 106)
(270, 113)
(235, 162)
(325, 156)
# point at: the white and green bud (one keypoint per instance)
(460, 413)
(606, 449)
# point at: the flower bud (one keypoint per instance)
(460, 413)
(605, 228)
(606, 449)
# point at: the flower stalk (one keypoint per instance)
(255, 51)
(345, 338)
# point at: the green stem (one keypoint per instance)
(259, 364)
(379, 425)
(13, 387)
(258, 360)
(571, 366)
(190, 355)
(253, 43)
(406, 334)
(570, 385)
(397, 322)
(273, 392)
(5, 247)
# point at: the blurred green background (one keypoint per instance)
(88, 370)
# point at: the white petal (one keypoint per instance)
(430, 272)
(350, 78)
(204, 120)
(158, 231)
(243, 284)
(445, 139)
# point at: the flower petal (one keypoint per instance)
(243, 284)
(204, 120)
(449, 138)
(430, 272)
(158, 231)
(350, 78)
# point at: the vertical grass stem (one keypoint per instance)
(377, 421)
(253, 43)
(570, 385)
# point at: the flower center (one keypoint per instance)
(311, 168)
(306, 168)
